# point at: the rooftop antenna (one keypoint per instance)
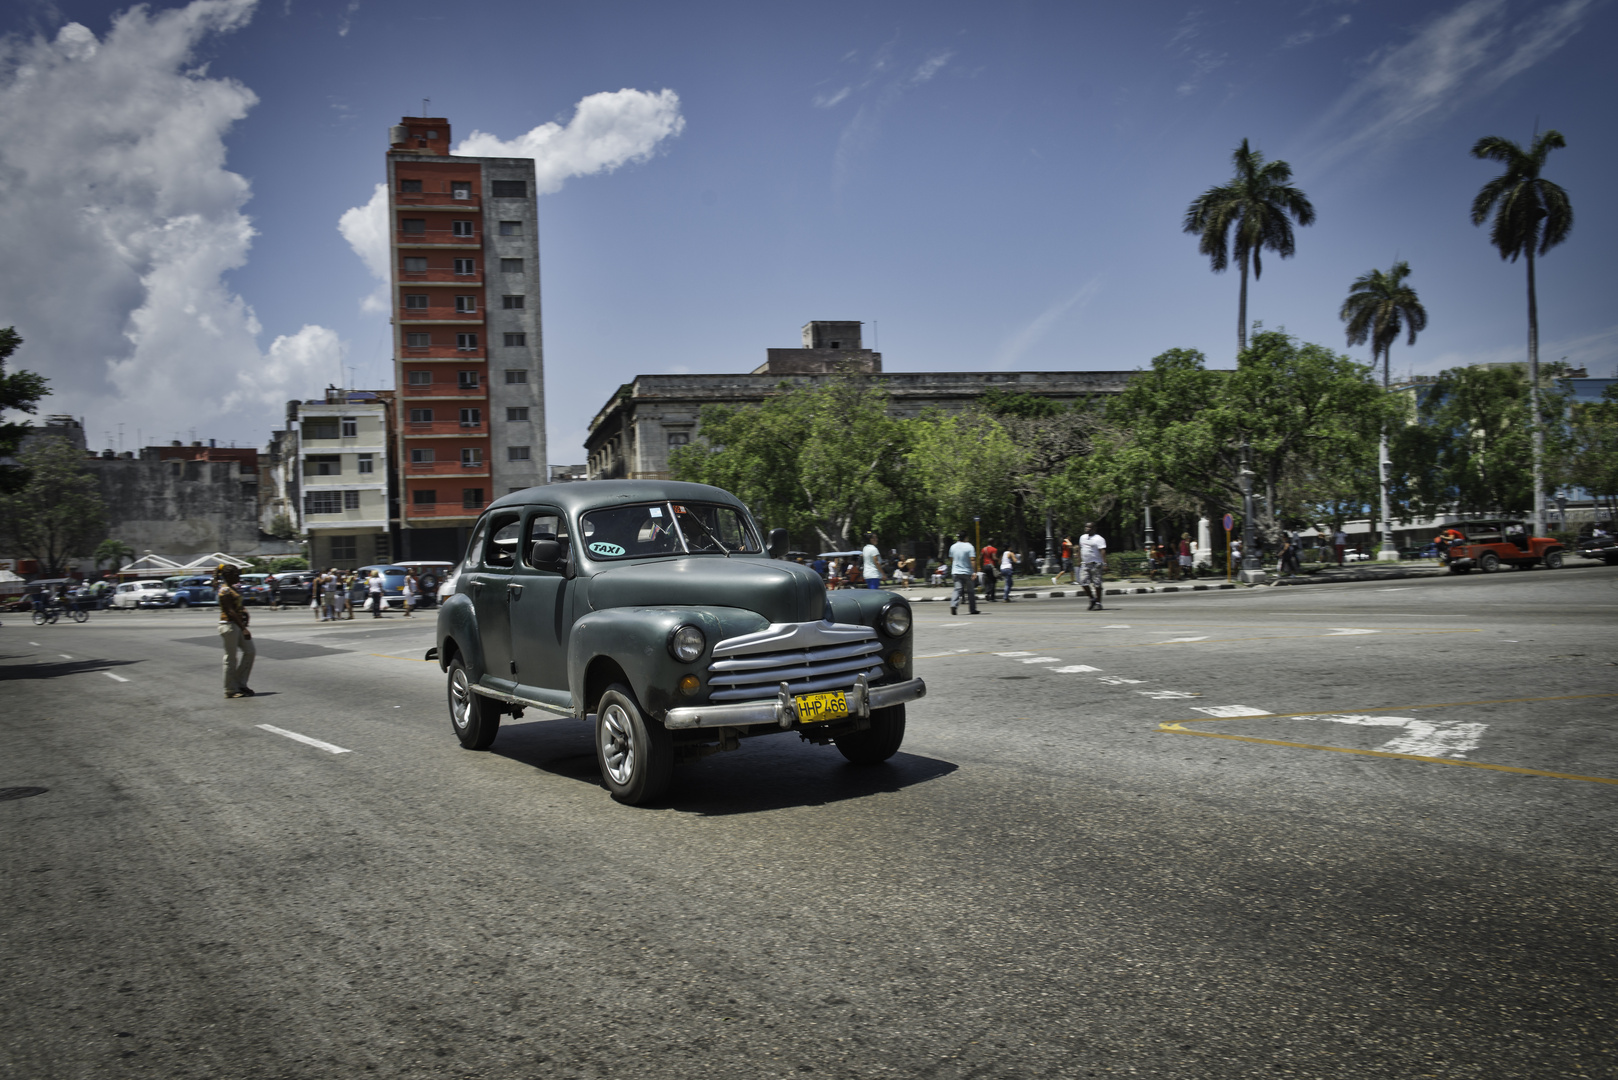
(426, 101)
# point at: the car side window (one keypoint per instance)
(547, 524)
(501, 551)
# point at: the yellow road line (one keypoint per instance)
(1177, 728)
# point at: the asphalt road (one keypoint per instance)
(1347, 831)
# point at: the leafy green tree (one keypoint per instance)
(1531, 216)
(963, 467)
(826, 459)
(1380, 307)
(58, 513)
(115, 553)
(21, 392)
(1049, 435)
(1246, 217)
(1470, 451)
(1302, 417)
(1592, 460)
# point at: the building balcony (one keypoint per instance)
(438, 276)
(439, 199)
(442, 510)
(444, 427)
(445, 390)
(412, 353)
(445, 468)
(435, 237)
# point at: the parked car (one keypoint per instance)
(650, 610)
(431, 576)
(393, 577)
(182, 592)
(293, 587)
(254, 589)
(1489, 545)
(129, 594)
(1603, 547)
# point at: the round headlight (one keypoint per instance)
(896, 620)
(686, 644)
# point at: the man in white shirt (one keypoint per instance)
(873, 562)
(962, 556)
(1092, 560)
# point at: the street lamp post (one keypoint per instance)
(1252, 569)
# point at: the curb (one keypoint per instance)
(1337, 578)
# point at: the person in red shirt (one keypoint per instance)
(1066, 565)
(991, 562)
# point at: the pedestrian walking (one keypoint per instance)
(410, 587)
(374, 586)
(1339, 543)
(1008, 570)
(1065, 565)
(275, 592)
(233, 633)
(1187, 556)
(961, 569)
(991, 559)
(1092, 563)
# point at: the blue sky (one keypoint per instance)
(986, 186)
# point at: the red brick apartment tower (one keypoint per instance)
(469, 362)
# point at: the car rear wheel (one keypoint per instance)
(1488, 562)
(182, 602)
(474, 718)
(878, 742)
(1553, 560)
(636, 754)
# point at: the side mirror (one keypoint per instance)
(545, 555)
(778, 543)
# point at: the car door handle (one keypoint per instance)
(514, 590)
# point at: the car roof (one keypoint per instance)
(579, 495)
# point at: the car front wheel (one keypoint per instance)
(1488, 562)
(1553, 560)
(636, 754)
(474, 718)
(878, 742)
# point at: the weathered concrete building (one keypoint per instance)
(343, 477)
(631, 436)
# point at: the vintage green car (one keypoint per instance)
(652, 610)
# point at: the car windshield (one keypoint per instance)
(649, 529)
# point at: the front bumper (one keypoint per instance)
(782, 710)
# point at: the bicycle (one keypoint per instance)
(47, 614)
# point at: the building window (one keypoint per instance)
(516, 340)
(511, 228)
(323, 428)
(517, 414)
(367, 463)
(469, 380)
(421, 416)
(510, 189)
(511, 266)
(679, 438)
(342, 549)
(421, 378)
(415, 264)
(471, 417)
(466, 267)
(460, 228)
(415, 301)
(351, 427)
(517, 453)
(472, 498)
(466, 341)
(323, 465)
(351, 500)
(460, 189)
(422, 497)
(418, 341)
(466, 305)
(323, 502)
(471, 457)
(421, 457)
(512, 303)
(413, 225)
(516, 375)
(410, 187)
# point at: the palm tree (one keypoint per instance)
(1247, 216)
(1379, 307)
(1530, 213)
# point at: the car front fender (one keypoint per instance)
(636, 640)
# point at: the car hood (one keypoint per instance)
(781, 592)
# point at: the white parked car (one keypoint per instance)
(131, 593)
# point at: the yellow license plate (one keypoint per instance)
(816, 707)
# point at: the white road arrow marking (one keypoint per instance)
(1426, 738)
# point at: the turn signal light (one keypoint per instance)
(689, 685)
(897, 660)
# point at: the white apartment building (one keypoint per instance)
(343, 465)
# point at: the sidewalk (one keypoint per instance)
(1041, 589)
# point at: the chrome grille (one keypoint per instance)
(808, 657)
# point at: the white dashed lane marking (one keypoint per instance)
(1344, 631)
(1042, 660)
(1229, 710)
(1073, 669)
(118, 678)
(1175, 640)
(306, 740)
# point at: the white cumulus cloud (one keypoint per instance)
(122, 221)
(608, 130)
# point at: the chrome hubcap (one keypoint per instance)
(460, 698)
(617, 744)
